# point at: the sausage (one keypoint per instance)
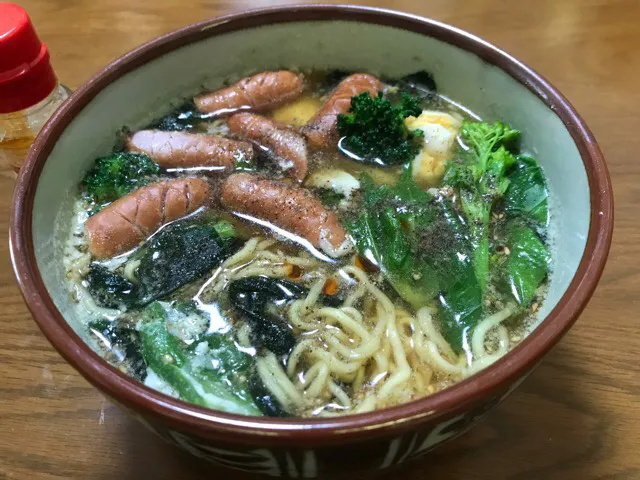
(285, 143)
(131, 219)
(259, 92)
(293, 209)
(187, 150)
(322, 129)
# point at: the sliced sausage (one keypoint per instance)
(322, 129)
(188, 150)
(283, 142)
(259, 92)
(293, 209)
(131, 219)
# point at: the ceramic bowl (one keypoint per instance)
(139, 86)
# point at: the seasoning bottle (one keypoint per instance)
(29, 89)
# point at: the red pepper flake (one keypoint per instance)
(294, 272)
(330, 287)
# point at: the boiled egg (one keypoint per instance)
(298, 112)
(334, 179)
(440, 130)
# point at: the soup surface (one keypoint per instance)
(310, 244)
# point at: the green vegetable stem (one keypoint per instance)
(480, 177)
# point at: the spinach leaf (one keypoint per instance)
(329, 197)
(421, 245)
(109, 289)
(527, 264)
(379, 237)
(180, 253)
(123, 340)
(461, 309)
(451, 254)
(527, 192)
(421, 80)
(251, 297)
(225, 355)
(185, 117)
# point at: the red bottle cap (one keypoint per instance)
(26, 76)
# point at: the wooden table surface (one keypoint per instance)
(576, 417)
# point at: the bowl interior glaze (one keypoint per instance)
(150, 80)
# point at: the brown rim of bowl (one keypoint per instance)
(210, 423)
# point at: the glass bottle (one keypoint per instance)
(29, 89)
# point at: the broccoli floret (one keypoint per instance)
(485, 139)
(374, 129)
(481, 179)
(114, 176)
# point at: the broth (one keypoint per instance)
(317, 265)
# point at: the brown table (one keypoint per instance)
(576, 417)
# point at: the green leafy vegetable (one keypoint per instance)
(252, 297)
(527, 264)
(109, 289)
(180, 253)
(374, 129)
(124, 341)
(201, 379)
(264, 399)
(420, 83)
(114, 176)
(379, 238)
(226, 356)
(185, 117)
(421, 246)
(329, 197)
(225, 229)
(244, 165)
(527, 192)
(480, 177)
